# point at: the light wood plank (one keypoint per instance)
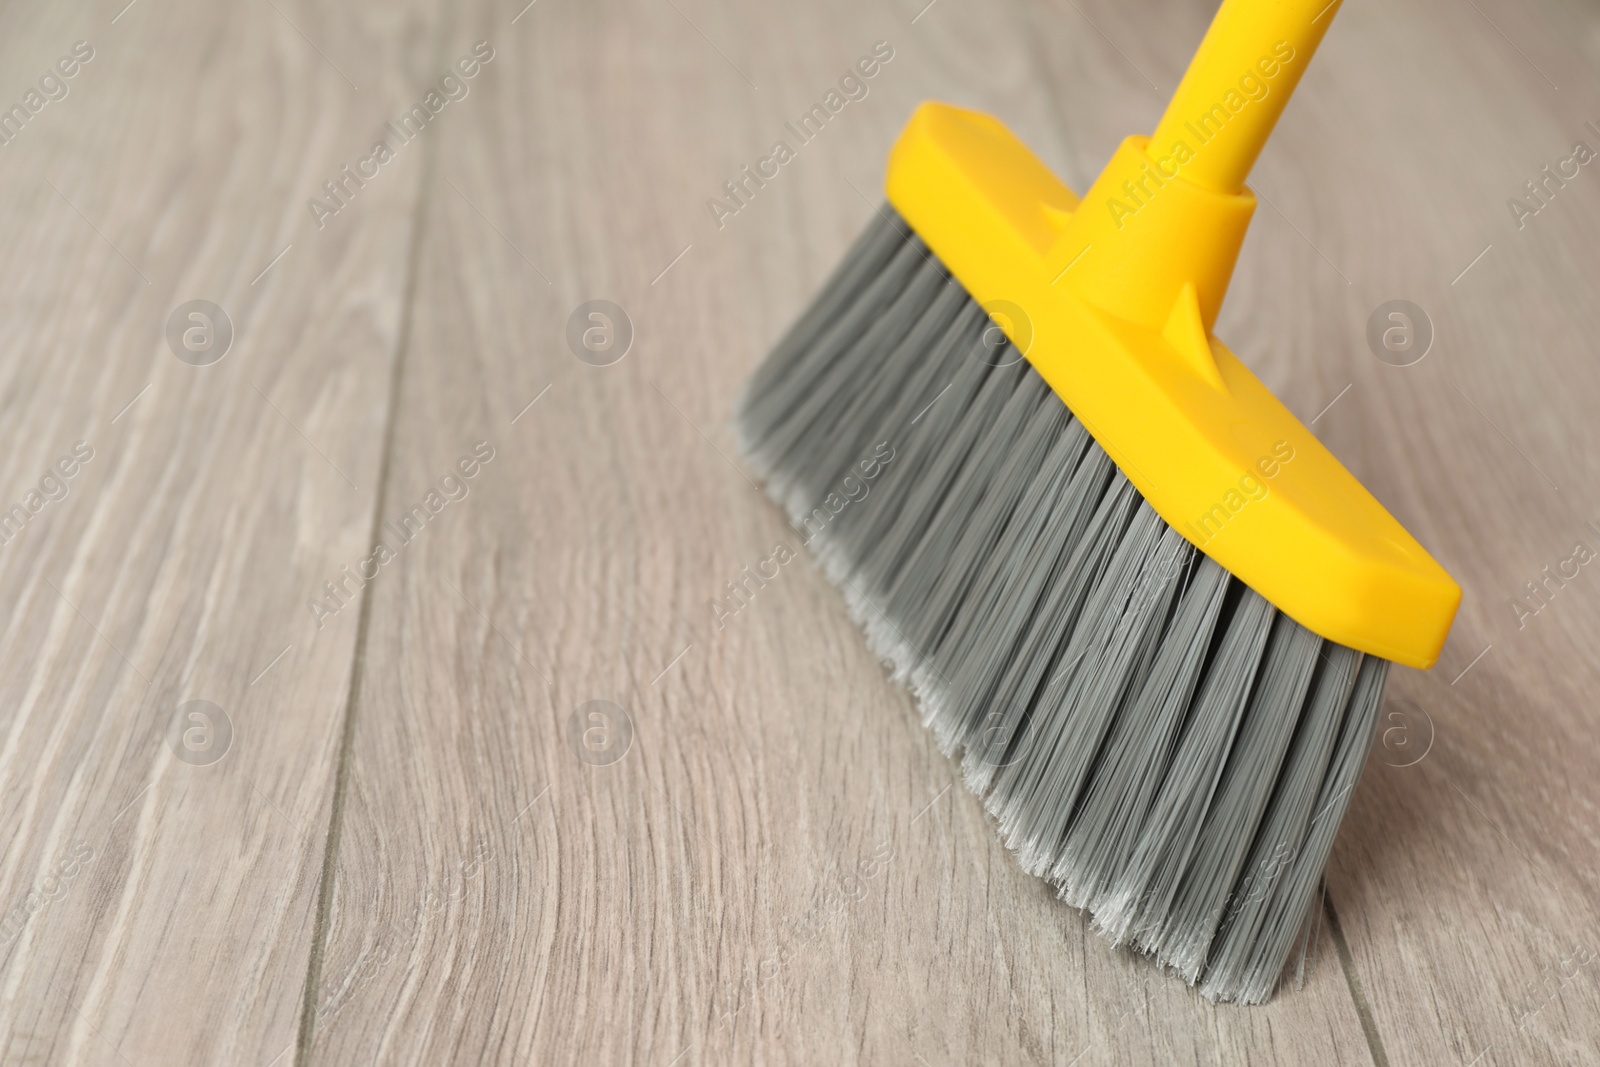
(217, 500)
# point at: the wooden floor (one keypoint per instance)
(376, 842)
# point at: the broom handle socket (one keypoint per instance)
(1235, 89)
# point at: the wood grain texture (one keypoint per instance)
(158, 911)
(402, 857)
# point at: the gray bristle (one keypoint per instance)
(1169, 750)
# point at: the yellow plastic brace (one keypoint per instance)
(1112, 300)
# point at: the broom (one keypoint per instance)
(1152, 611)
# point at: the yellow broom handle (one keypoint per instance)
(1235, 88)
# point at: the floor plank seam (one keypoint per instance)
(308, 1008)
(1369, 1025)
